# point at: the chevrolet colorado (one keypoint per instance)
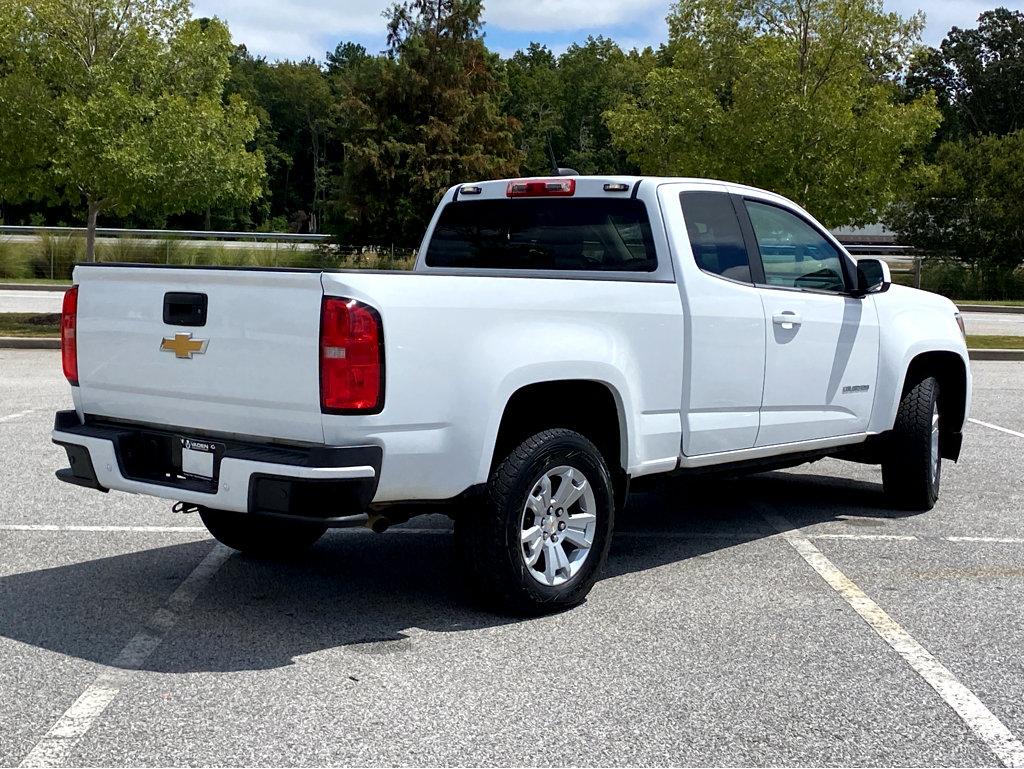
(557, 338)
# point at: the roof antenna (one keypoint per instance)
(555, 169)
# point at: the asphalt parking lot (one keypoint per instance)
(785, 618)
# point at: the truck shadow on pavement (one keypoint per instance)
(374, 594)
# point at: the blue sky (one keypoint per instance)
(296, 29)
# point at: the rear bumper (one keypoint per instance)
(248, 476)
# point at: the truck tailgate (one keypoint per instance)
(257, 374)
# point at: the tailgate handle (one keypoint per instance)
(184, 309)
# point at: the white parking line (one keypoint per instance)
(995, 540)
(18, 415)
(888, 537)
(991, 426)
(55, 527)
(54, 749)
(965, 703)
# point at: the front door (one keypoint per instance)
(821, 356)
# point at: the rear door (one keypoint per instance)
(724, 338)
(228, 351)
(821, 343)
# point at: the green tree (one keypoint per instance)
(345, 56)
(248, 79)
(420, 119)
(534, 96)
(24, 123)
(969, 206)
(298, 97)
(977, 75)
(126, 105)
(798, 96)
(966, 206)
(596, 77)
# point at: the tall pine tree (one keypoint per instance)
(422, 118)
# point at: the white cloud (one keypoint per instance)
(567, 15)
(299, 28)
(940, 15)
(295, 29)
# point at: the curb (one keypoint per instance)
(996, 354)
(991, 308)
(30, 343)
(34, 287)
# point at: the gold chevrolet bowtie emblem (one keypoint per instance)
(183, 345)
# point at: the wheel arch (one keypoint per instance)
(593, 408)
(950, 370)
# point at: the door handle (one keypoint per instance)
(787, 319)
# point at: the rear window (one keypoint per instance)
(544, 234)
(715, 235)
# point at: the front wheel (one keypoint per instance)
(542, 536)
(912, 466)
(260, 536)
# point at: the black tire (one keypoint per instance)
(489, 540)
(910, 477)
(259, 535)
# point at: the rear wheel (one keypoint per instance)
(543, 534)
(912, 466)
(258, 535)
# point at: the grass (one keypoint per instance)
(15, 260)
(51, 258)
(993, 342)
(996, 302)
(972, 283)
(30, 324)
(37, 281)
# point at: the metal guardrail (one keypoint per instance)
(118, 232)
(892, 253)
(882, 249)
(897, 253)
(304, 237)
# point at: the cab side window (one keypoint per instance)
(794, 253)
(715, 235)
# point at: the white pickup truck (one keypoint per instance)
(557, 338)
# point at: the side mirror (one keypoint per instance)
(873, 276)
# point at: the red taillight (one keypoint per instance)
(68, 335)
(351, 357)
(541, 188)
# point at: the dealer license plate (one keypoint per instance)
(197, 458)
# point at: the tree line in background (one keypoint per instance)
(134, 113)
(967, 201)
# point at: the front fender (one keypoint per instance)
(909, 329)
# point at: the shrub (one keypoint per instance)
(14, 260)
(360, 259)
(962, 281)
(54, 256)
(135, 251)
